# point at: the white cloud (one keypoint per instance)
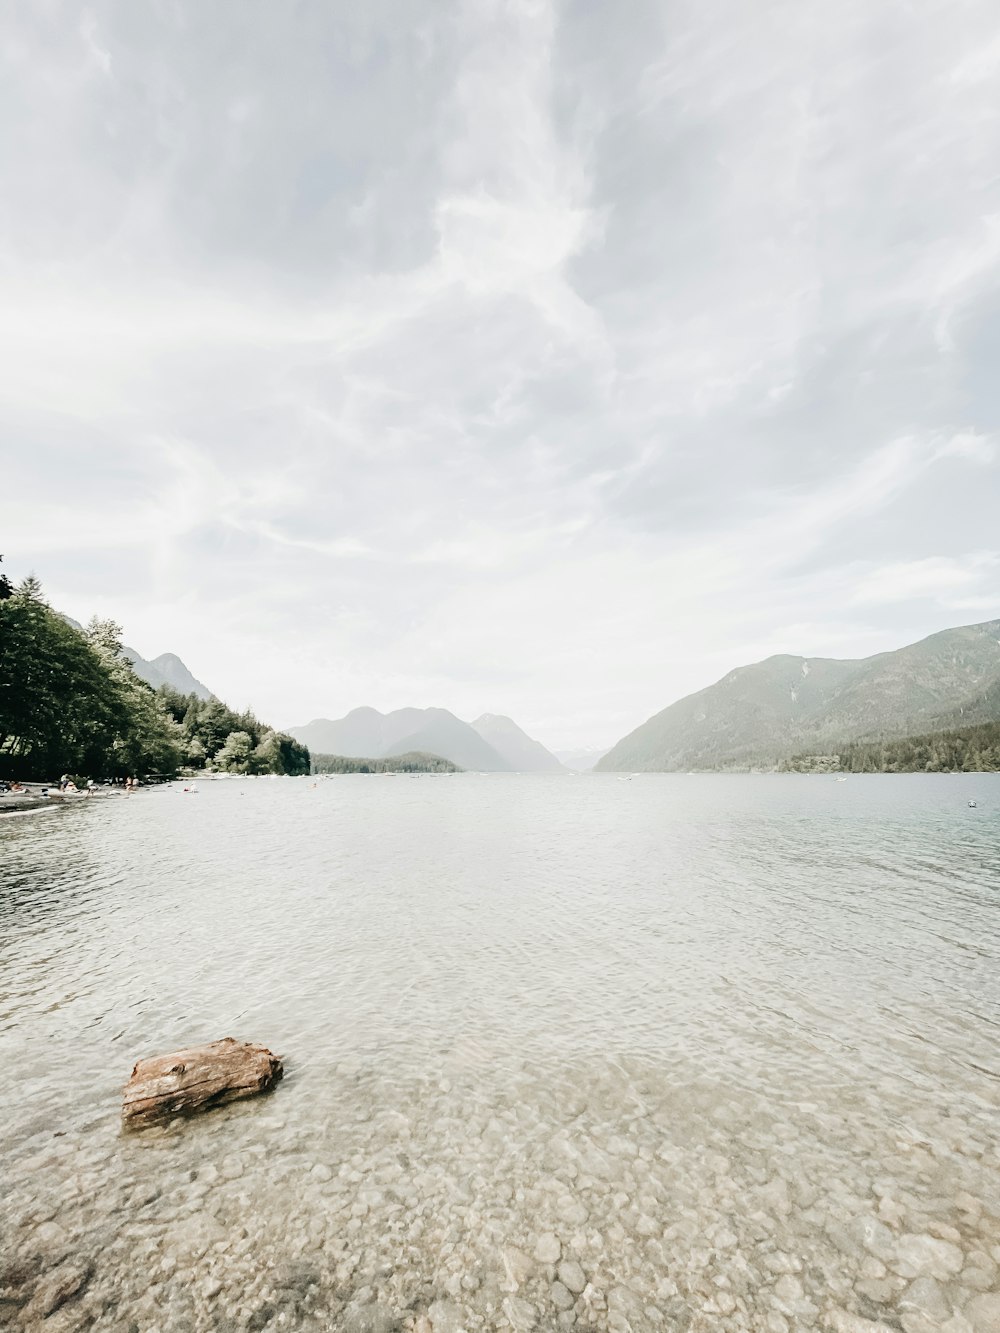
(969, 445)
(947, 580)
(514, 359)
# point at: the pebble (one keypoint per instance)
(562, 1297)
(369, 1319)
(518, 1265)
(917, 1255)
(521, 1314)
(232, 1168)
(572, 1276)
(573, 1212)
(547, 1249)
(446, 1317)
(924, 1296)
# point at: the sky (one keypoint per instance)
(509, 356)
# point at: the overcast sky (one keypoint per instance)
(525, 357)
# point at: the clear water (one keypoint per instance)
(676, 1052)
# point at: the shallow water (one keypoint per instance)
(677, 1052)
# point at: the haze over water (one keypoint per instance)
(673, 1052)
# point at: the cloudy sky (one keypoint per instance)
(503, 355)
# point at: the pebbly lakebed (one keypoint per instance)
(681, 1052)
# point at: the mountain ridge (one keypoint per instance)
(521, 751)
(365, 733)
(168, 669)
(492, 744)
(761, 713)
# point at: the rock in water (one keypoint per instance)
(196, 1079)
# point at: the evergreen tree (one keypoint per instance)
(70, 702)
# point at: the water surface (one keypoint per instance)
(674, 1052)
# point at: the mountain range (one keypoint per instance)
(491, 744)
(167, 669)
(759, 714)
(756, 716)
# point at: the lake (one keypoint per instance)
(674, 1052)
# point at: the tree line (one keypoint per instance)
(216, 736)
(970, 750)
(414, 762)
(70, 702)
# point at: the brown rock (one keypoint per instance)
(197, 1078)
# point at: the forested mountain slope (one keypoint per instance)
(761, 714)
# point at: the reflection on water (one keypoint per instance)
(692, 1053)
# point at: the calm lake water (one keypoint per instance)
(668, 1053)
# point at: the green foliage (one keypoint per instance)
(69, 701)
(969, 750)
(215, 736)
(234, 757)
(414, 762)
(759, 714)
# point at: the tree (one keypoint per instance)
(144, 737)
(53, 695)
(69, 701)
(234, 756)
(215, 723)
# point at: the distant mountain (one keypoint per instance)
(523, 754)
(760, 714)
(167, 669)
(367, 733)
(582, 761)
(446, 735)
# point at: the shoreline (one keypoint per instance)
(32, 801)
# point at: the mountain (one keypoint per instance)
(581, 761)
(983, 708)
(523, 754)
(367, 733)
(446, 735)
(167, 669)
(759, 714)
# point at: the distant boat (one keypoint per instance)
(841, 779)
(972, 805)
